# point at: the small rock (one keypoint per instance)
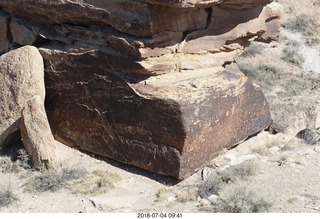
(205, 173)
(204, 202)
(317, 148)
(213, 198)
(309, 136)
(230, 156)
(171, 199)
(289, 121)
(241, 159)
(221, 162)
(274, 150)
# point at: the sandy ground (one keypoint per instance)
(287, 168)
(288, 178)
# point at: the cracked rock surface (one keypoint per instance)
(142, 81)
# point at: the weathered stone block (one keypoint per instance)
(170, 124)
(21, 33)
(22, 75)
(36, 134)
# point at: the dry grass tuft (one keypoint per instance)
(291, 55)
(186, 195)
(307, 26)
(9, 165)
(262, 150)
(211, 186)
(235, 195)
(53, 180)
(262, 74)
(252, 50)
(283, 159)
(240, 198)
(242, 171)
(292, 199)
(48, 181)
(95, 183)
(7, 197)
(162, 194)
(230, 175)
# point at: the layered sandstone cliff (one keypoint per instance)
(143, 81)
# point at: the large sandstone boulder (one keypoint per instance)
(22, 77)
(142, 81)
(170, 124)
(36, 133)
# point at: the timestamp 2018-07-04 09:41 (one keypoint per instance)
(159, 215)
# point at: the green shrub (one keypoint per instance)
(262, 150)
(48, 181)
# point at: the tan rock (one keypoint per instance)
(233, 26)
(36, 133)
(22, 77)
(290, 122)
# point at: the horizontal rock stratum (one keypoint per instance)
(143, 82)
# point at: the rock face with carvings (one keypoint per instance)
(143, 81)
